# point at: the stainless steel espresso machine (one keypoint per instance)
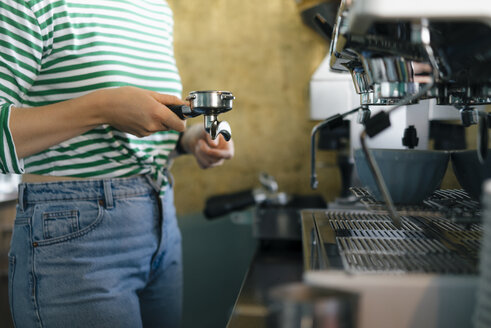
(412, 262)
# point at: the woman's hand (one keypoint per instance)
(140, 112)
(128, 109)
(208, 152)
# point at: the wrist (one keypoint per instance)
(179, 145)
(190, 138)
(99, 104)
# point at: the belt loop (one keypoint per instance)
(170, 177)
(108, 194)
(21, 199)
(152, 183)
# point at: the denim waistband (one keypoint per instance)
(105, 189)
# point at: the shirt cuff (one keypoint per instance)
(179, 148)
(9, 162)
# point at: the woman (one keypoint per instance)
(84, 86)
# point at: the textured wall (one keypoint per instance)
(261, 51)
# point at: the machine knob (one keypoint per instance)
(468, 116)
(410, 139)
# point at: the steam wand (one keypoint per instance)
(381, 121)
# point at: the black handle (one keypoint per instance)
(183, 111)
(323, 26)
(482, 138)
(377, 124)
(226, 135)
(223, 204)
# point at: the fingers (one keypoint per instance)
(165, 99)
(211, 153)
(138, 111)
(208, 152)
(218, 148)
(206, 163)
(169, 119)
(212, 142)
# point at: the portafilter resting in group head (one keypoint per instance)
(209, 104)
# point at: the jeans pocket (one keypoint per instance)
(65, 220)
(60, 223)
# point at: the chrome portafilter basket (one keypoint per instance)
(210, 104)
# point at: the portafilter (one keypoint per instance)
(208, 103)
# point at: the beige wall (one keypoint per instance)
(261, 51)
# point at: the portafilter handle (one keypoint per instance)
(183, 111)
(332, 122)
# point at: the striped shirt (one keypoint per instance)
(55, 50)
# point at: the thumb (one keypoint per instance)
(211, 142)
(166, 99)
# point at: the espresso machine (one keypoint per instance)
(411, 265)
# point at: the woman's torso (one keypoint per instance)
(93, 44)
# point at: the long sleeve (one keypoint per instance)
(21, 51)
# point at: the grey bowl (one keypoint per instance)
(410, 175)
(470, 172)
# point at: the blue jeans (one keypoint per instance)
(98, 253)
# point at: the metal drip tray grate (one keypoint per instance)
(367, 199)
(453, 204)
(365, 242)
(399, 255)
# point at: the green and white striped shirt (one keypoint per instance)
(55, 50)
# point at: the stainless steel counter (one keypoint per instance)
(270, 267)
(430, 260)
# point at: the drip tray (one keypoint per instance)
(454, 204)
(366, 242)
